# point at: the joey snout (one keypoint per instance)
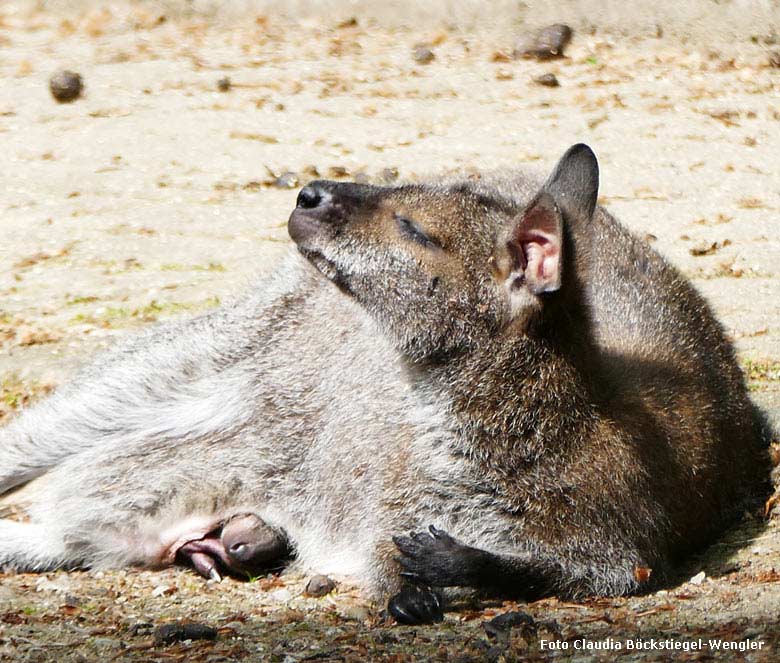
(250, 543)
(243, 545)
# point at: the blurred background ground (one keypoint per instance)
(162, 191)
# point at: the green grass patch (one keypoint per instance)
(75, 301)
(761, 374)
(178, 267)
(16, 393)
(113, 316)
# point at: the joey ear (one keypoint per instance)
(535, 245)
(574, 183)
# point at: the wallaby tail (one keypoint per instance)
(21, 460)
(36, 440)
(29, 547)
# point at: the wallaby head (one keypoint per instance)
(442, 266)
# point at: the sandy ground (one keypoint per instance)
(156, 194)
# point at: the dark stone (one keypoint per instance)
(423, 55)
(548, 80)
(66, 86)
(502, 624)
(179, 631)
(548, 43)
(319, 585)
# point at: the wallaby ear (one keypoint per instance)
(574, 184)
(535, 245)
(535, 241)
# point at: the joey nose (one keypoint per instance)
(240, 550)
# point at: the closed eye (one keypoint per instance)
(412, 231)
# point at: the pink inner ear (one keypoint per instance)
(539, 238)
(541, 255)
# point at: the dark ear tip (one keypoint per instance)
(574, 184)
(581, 152)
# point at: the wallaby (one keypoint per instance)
(497, 361)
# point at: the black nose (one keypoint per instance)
(310, 196)
(240, 551)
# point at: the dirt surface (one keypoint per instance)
(156, 194)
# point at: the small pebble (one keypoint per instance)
(319, 585)
(774, 59)
(350, 22)
(336, 172)
(107, 643)
(167, 634)
(234, 626)
(282, 595)
(548, 43)
(224, 84)
(388, 175)
(423, 55)
(161, 590)
(548, 80)
(66, 86)
(507, 621)
(61, 584)
(698, 579)
(72, 601)
(703, 248)
(286, 180)
(358, 613)
(141, 628)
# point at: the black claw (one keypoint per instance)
(398, 612)
(434, 558)
(403, 543)
(440, 535)
(416, 605)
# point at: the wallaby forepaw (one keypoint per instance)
(416, 605)
(433, 558)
